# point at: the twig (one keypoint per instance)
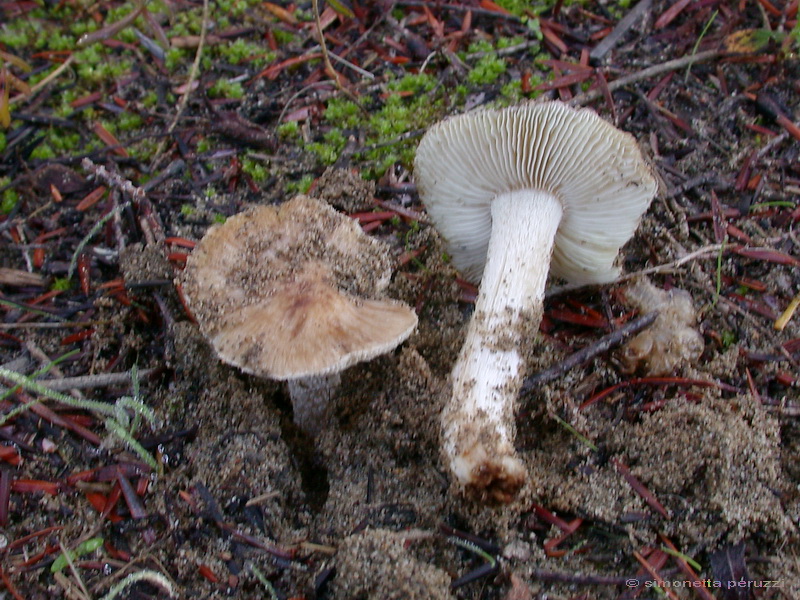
(613, 339)
(712, 249)
(670, 65)
(100, 380)
(460, 8)
(43, 82)
(192, 77)
(71, 563)
(50, 365)
(624, 25)
(326, 58)
(92, 232)
(656, 577)
(349, 65)
(114, 180)
(399, 139)
(152, 577)
(60, 325)
(504, 51)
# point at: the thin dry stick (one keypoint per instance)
(61, 325)
(605, 343)
(711, 250)
(44, 81)
(92, 381)
(114, 180)
(327, 59)
(325, 56)
(670, 65)
(192, 77)
(39, 355)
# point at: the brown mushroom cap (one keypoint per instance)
(294, 291)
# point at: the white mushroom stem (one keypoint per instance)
(478, 423)
(311, 399)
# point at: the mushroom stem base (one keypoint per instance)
(478, 422)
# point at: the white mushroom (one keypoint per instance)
(518, 193)
(294, 293)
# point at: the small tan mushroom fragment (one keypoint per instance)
(294, 293)
(671, 340)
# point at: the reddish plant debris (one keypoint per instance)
(91, 199)
(207, 573)
(651, 565)
(649, 381)
(10, 455)
(687, 569)
(31, 486)
(640, 489)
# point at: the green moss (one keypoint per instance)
(17, 37)
(304, 15)
(79, 28)
(3, 142)
(63, 143)
(9, 198)
(219, 219)
(96, 65)
(401, 112)
(61, 284)
(487, 70)
(224, 88)
(283, 37)
(143, 150)
(417, 83)
(203, 145)
(235, 8)
(175, 58)
(127, 121)
(254, 169)
(43, 152)
(150, 99)
(795, 33)
(506, 42)
(301, 186)
(127, 35)
(515, 7)
(241, 50)
(187, 210)
(58, 41)
(115, 13)
(330, 148)
(728, 339)
(512, 91)
(479, 46)
(289, 130)
(343, 113)
(65, 99)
